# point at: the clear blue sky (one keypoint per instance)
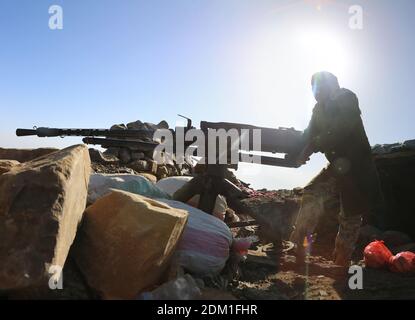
(218, 60)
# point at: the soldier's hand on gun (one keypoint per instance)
(301, 161)
(304, 156)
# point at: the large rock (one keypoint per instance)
(124, 155)
(162, 172)
(41, 204)
(149, 176)
(98, 157)
(24, 155)
(126, 242)
(7, 165)
(139, 165)
(136, 155)
(73, 287)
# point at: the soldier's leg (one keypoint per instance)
(349, 227)
(353, 206)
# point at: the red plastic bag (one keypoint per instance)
(377, 255)
(403, 262)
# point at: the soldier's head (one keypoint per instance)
(323, 85)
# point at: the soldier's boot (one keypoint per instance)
(305, 224)
(346, 239)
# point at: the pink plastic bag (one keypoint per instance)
(403, 262)
(377, 255)
(241, 245)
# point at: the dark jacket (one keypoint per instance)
(337, 130)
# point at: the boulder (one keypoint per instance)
(163, 125)
(124, 155)
(139, 165)
(73, 287)
(98, 157)
(162, 172)
(172, 170)
(7, 165)
(111, 152)
(149, 176)
(136, 125)
(23, 155)
(139, 125)
(41, 204)
(120, 126)
(126, 243)
(153, 166)
(136, 155)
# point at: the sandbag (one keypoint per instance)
(376, 255)
(126, 243)
(205, 244)
(403, 262)
(171, 184)
(100, 185)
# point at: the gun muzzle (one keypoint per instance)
(26, 132)
(41, 132)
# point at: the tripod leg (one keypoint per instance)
(212, 185)
(189, 190)
(209, 194)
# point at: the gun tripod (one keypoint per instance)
(211, 183)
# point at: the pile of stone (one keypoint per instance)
(134, 160)
(46, 228)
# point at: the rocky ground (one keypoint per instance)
(263, 278)
(262, 275)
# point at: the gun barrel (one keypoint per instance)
(57, 132)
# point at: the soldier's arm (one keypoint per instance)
(348, 116)
(308, 141)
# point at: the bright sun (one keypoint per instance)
(323, 51)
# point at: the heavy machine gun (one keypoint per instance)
(211, 181)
